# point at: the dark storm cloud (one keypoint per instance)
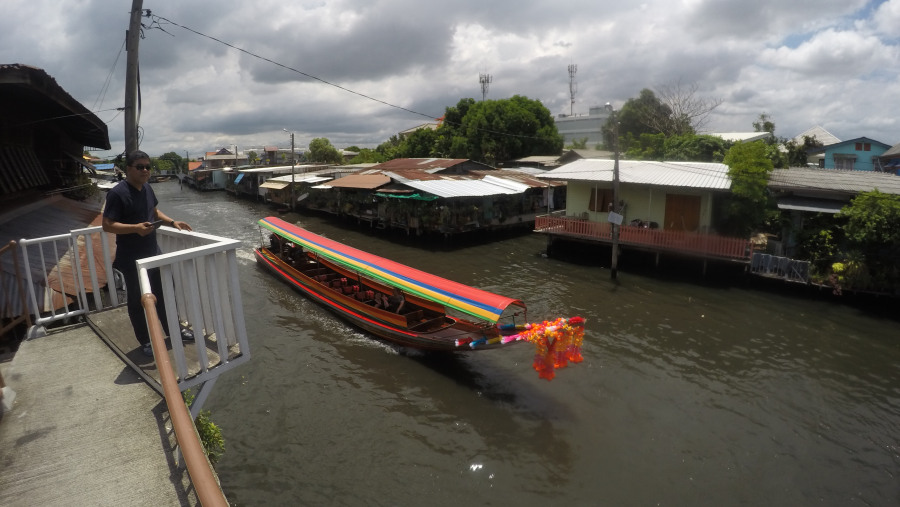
(199, 93)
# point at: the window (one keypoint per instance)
(859, 146)
(601, 200)
(863, 146)
(844, 163)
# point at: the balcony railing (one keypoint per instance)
(201, 291)
(705, 245)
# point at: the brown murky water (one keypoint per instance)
(688, 395)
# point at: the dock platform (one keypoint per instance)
(86, 428)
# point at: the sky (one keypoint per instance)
(359, 71)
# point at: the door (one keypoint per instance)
(682, 212)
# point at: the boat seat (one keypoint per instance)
(414, 316)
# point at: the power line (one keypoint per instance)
(102, 93)
(51, 118)
(156, 20)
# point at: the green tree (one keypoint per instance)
(872, 229)
(495, 131)
(163, 165)
(764, 124)
(175, 162)
(253, 157)
(796, 155)
(422, 143)
(321, 150)
(389, 149)
(688, 147)
(368, 156)
(578, 144)
(747, 207)
(638, 116)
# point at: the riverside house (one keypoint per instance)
(668, 207)
(437, 196)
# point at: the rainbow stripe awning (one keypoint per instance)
(466, 299)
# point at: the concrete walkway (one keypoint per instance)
(85, 429)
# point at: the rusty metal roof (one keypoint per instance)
(47, 217)
(361, 181)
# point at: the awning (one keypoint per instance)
(810, 204)
(275, 185)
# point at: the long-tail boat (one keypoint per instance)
(437, 314)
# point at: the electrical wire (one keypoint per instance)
(156, 21)
(98, 102)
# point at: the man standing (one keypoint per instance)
(129, 214)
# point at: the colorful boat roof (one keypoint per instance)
(475, 302)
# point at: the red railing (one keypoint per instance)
(708, 245)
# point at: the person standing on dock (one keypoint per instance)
(131, 214)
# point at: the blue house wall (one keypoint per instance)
(858, 154)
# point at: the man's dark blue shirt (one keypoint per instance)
(128, 205)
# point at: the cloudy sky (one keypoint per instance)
(397, 63)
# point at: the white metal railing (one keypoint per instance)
(200, 289)
(57, 257)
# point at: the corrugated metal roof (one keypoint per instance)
(37, 96)
(274, 170)
(525, 176)
(852, 182)
(707, 175)
(420, 163)
(411, 174)
(47, 217)
(809, 204)
(275, 185)
(465, 188)
(892, 152)
(823, 136)
(363, 181)
(745, 137)
(301, 178)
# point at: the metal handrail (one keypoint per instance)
(209, 492)
(201, 288)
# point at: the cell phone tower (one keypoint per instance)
(573, 87)
(485, 80)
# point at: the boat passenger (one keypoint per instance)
(395, 301)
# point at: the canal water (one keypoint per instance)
(689, 394)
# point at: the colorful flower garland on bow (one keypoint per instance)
(556, 343)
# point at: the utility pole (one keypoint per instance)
(293, 201)
(132, 39)
(573, 87)
(485, 80)
(615, 217)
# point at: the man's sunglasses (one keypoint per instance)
(141, 167)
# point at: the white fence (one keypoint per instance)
(200, 286)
